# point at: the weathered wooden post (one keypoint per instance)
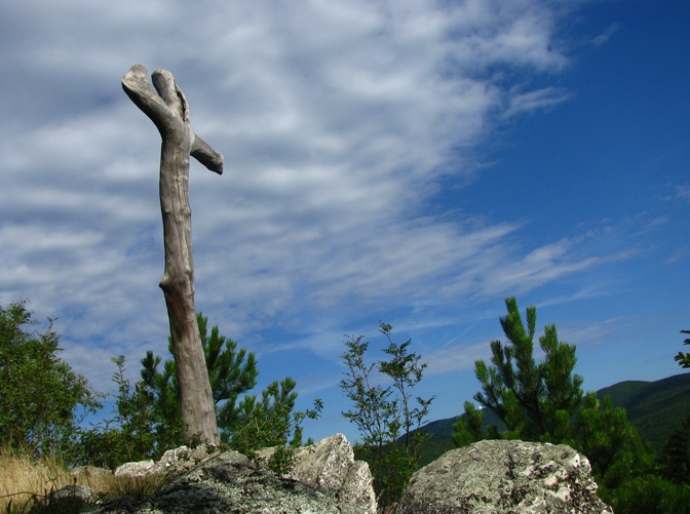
(169, 112)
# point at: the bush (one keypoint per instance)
(39, 392)
(385, 416)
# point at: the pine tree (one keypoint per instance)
(469, 428)
(677, 453)
(535, 400)
(676, 466)
(246, 424)
(684, 358)
(544, 402)
(149, 421)
(269, 421)
(231, 372)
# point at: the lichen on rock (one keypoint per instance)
(504, 477)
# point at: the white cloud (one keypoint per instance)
(683, 192)
(335, 118)
(606, 35)
(589, 333)
(460, 357)
(533, 100)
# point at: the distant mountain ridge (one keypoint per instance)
(656, 409)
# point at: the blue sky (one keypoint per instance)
(413, 162)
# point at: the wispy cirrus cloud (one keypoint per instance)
(336, 120)
(605, 36)
(683, 192)
(533, 100)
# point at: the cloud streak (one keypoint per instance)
(337, 120)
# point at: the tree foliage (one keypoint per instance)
(676, 461)
(231, 372)
(535, 400)
(134, 433)
(148, 419)
(641, 484)
(39, 392)
(682, 357)
(469, 428)
(677, 455)
(544, 401)
(604, 434)
(386, 416)
(269, 421)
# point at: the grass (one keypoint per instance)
(26, 484)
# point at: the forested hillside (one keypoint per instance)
(656, 409)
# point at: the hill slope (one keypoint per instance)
(656, 409)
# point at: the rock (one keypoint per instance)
(230, 483)
(504, 477)
(180, 459)
(136, 469)
(70, 498)
(324, 478)
(84, 473)
(330, 465)
(173, 461)
(357, 495)
(79, 492)
(204, 452)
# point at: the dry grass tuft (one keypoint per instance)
(22, 480)
(26, 482)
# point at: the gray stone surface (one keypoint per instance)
(357, 495)
(84, 473)
(502, 477)
(136, 469)
(181, 459)
(325, 478)
(80, 493)
(230, 483)
(173, 461)
(330, 465)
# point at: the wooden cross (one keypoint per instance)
(169, 111)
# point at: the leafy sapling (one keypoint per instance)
(386, 416)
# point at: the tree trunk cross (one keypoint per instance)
(168, 110)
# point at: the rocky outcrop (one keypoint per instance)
(330, 465)
(504, 477)
(230, 483)
(324, 478)
(489, 476)
(173, 461)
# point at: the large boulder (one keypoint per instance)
(500, 477)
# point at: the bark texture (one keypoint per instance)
(167, 108)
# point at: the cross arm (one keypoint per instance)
(168, 110)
